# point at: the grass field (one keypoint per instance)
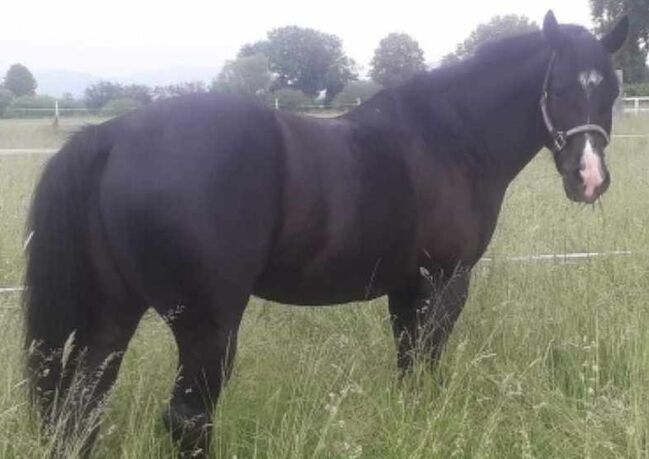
(549, 359)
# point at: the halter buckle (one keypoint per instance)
(560, 140)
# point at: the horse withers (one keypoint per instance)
(193, 204)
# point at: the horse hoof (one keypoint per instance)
(190, 429)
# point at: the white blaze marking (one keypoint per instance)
(588, 79)
(591, 169)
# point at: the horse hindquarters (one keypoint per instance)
(73, 290)
(191, 222)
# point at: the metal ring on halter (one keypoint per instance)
(560, 138)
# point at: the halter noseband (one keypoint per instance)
(560, 138)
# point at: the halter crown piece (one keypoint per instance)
(560, 138)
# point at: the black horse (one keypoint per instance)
(193, 204)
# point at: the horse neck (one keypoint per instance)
(492, 111)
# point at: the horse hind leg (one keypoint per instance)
(93, 363)
(205, 329)
(89, 372)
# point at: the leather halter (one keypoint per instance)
(559, 137)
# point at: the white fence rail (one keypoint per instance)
(635, 104)
(629, 105)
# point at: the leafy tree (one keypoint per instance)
(6, 97)
(119, 106)
(138, 92)
(498, 27)
(97, 95)
(306, 60)
(176, 90)
(20, 81)
(632, 58)
(355, 90)
(250, 49)
(247, 75)
(637, 89)
(68, 101)
(396, 59)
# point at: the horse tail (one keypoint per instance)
(58, 277)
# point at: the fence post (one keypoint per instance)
(55, 124)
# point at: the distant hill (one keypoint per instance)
(56, 82)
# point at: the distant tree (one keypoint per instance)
(247, 75)
(67, 97)
(337, 77)
(138, 92)
(68, 101)
(119, 106)
(20, 105)
(498, 27)
(396, 59)
(180, 89)
(251, 49)
(98, 94)
(35, 101)
(632, 58)
(355, 90)
(306, 60)
(637, 89)
(6, 98)
(20, 81)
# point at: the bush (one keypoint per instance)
(119, 106)
(69, 102)
(636, 89)
(361, 89)
(33, 102)
(31, 106)
(291, 99)
(99, 94)
(6, 98)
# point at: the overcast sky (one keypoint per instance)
(127, 36)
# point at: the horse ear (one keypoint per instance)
(551, 31)
(614, 40)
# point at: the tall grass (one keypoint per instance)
(549, 359)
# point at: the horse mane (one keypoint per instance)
(517, 46)
(509, 48)
(443, 102)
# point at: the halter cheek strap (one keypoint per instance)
(559, 137)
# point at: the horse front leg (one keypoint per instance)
(206, 335)
(423, 314)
